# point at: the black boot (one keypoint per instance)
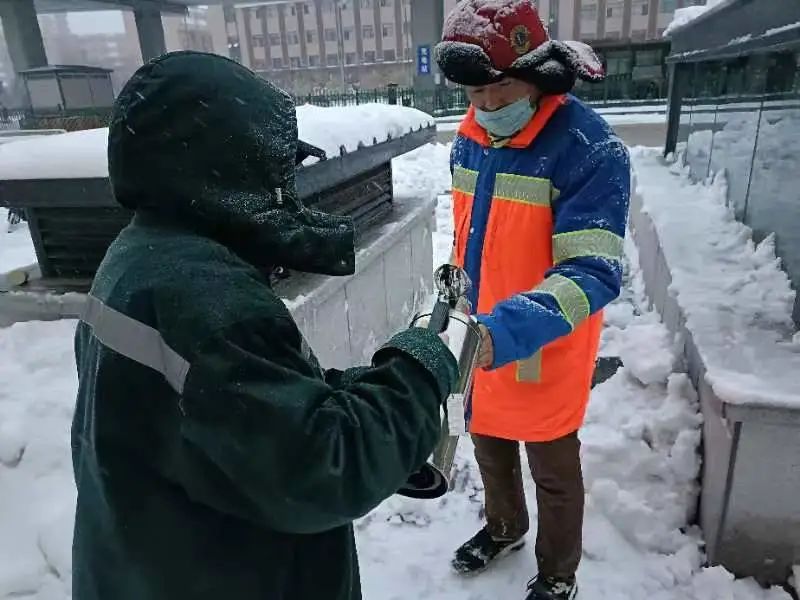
(475, 555)
(552, 588)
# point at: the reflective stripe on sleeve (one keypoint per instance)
(587, 242)
(136, 341)
(570, 297)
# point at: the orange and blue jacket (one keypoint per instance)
(539, 227)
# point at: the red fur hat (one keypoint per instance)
(486, 40)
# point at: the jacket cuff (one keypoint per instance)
(502, 342)
(430, 352)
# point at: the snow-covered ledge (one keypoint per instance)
(731, 304)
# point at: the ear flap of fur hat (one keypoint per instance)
(554, 66)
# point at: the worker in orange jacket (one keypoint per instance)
(540, 191)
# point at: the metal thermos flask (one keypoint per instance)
(449, 316)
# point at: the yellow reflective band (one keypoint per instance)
(589, 242)
(530, 369)
(526, 190)
(570, 297)
(465, 180)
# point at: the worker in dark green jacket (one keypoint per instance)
(214, 458)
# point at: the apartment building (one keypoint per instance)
(314, 44)
(311, 44)
(610, 20)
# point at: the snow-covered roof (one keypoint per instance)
(82, 154)
(684, 16)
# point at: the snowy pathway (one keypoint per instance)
(639, 448)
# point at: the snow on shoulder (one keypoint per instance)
(736, 298)
(82, 154)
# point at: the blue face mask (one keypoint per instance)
(508, 120)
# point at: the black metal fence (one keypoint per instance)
(616, 89)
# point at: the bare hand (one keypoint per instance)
(486, 352)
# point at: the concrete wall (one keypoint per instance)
(750, 499)
(345, 319)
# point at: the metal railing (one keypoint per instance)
(616, 90)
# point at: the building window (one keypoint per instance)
(313, 60)
(294, 62)
(294, 10)
(589, 12)
(274, 39)
(258, 41)
(259, 64)
(350, 58)
(389, 55)
(386, 2)
(388, 30)
(270, 12)
(610, 12)
(332, 60)
(348, 33)
(261, 12)
(405, 27)
(639, 35)
(306, 9)
(292, 38)
(311, 35)
(668, 6)
(330, 35)
(230, 14)
(366, 3)
(369, 56)
(645, 9)
(277, 63)
(368, 32)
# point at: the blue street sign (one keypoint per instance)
(424, 60)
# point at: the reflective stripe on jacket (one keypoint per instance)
(539, 226)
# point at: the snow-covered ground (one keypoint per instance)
(640, 453)
(16, 248)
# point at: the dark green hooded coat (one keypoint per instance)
(214, 459)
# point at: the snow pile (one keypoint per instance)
(684, 16)
(16, 247)
(424, 172)
(82, 154)
(737, 300)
